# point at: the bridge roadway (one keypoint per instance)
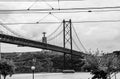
(30, 43)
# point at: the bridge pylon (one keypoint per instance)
(67, 40)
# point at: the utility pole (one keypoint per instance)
(67, 40)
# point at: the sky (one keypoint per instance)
(102, 35)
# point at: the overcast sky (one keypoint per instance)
(102, 35)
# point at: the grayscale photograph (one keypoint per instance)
(59, 39)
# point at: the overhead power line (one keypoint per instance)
(32, 4)
(57, 12)
(76, 22)
(42, 18)
(56, 17)
(84, 8)
(97, 21)
(58, 4)
(38, 1)
(48, 15)
(61, 10)
(48, 4)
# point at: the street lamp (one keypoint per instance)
(33, 69)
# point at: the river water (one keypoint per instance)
(55, 76)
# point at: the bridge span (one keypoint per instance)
(36, 44)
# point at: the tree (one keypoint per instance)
(101, 66)
(6, 68)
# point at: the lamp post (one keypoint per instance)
(33, 69)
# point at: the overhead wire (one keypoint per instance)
(56, 12)
(62, 9)
(47, 15)
(42, 18)
(59, 4)
(48, 4)
(75, 22)
(79, 39)
(31, 23)
(41, 0)
(56, 17)
(32, 5)
(97, 21)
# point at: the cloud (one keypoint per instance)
(93, 35)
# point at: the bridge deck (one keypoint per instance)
(26, 42)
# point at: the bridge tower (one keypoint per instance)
(67, 39)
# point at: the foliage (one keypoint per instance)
(45, 62)
(6, 68)
(108, 63)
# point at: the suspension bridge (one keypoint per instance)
(64, 32)
(18, 39)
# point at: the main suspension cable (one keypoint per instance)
(55, 36)
(55, 30)
(76, 44)
(79, 40)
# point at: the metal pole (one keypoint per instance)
(71, 44)
(115, 75)
(33, 74)
(64, 43)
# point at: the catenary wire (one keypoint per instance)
(58, 12)
(84, 8)
(40, 0)
(56, 17)
(42, 18)
(48, 4)
(32, 5)
(75, 22)
(59, 4)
